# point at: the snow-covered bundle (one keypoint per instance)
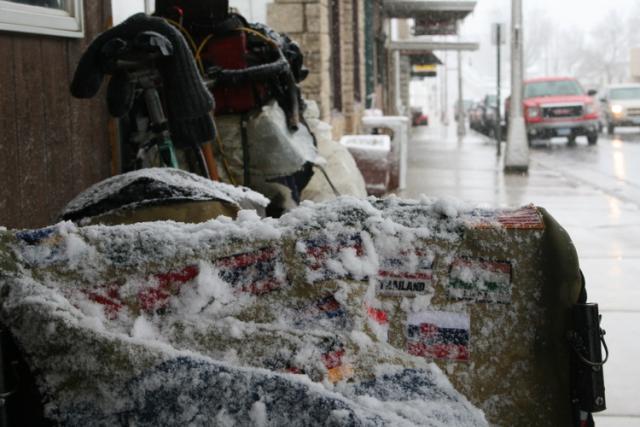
(133, 196)
(331, 315)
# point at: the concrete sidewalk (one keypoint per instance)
(442, 166)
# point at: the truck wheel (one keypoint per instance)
(592, 138)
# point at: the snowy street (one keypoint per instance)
(594, 192)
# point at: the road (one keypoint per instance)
(605, 220)
(594, 192)
(606, 231)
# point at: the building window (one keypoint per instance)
(51, 17)
(357, 88)
(336, 57)
(123, 9)
(381, 56)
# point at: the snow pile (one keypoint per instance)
(253, 321)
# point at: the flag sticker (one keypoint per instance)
(408, 274)
(321, 255)
(257, 272)
(327, 311)
(525, 218)
(439, 335)
(480, 281)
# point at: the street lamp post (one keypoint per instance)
(517, 153)
(460, 106)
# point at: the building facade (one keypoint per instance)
(52, 146)
(332, 35)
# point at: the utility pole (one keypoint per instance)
(460, 107)
(498, 39)
(445, 105)
(517, 154)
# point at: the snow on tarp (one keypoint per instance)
(163, 185)
(252, 321)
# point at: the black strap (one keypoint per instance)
(582, 299)
(326, 176)
(245, 150)
(5, 393)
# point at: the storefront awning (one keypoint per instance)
(416, 47)
(424, 58)
(428, 8)
(430, 17)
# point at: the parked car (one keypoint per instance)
(418, 117)
(475, 113)
(559, 106)
(489, 114)
(620, 106)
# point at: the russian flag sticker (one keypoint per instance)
(439, 335)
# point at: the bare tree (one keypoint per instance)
(599, 56)
(610, 47)
(539, 31)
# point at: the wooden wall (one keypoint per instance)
(52, 146)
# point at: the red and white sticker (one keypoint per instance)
(439, 335)
(153, 296)
(321, 255)
(257, 272)
(525, 218)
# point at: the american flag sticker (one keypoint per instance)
(257, 272)
(525, 218)
(439, 335)
(320, 255)
(480, 281)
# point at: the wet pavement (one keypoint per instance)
(594, 192)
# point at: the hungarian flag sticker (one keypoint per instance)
(480, 281)
(439, 335)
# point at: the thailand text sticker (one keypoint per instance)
(408, 273)
(480, 281)
(439, 335)
(257, 272)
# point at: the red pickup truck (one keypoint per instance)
(559, 106)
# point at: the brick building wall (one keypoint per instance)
(309, 22)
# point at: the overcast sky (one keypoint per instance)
(578, 14)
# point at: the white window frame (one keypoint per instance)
(25, 18)
(149, 6)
